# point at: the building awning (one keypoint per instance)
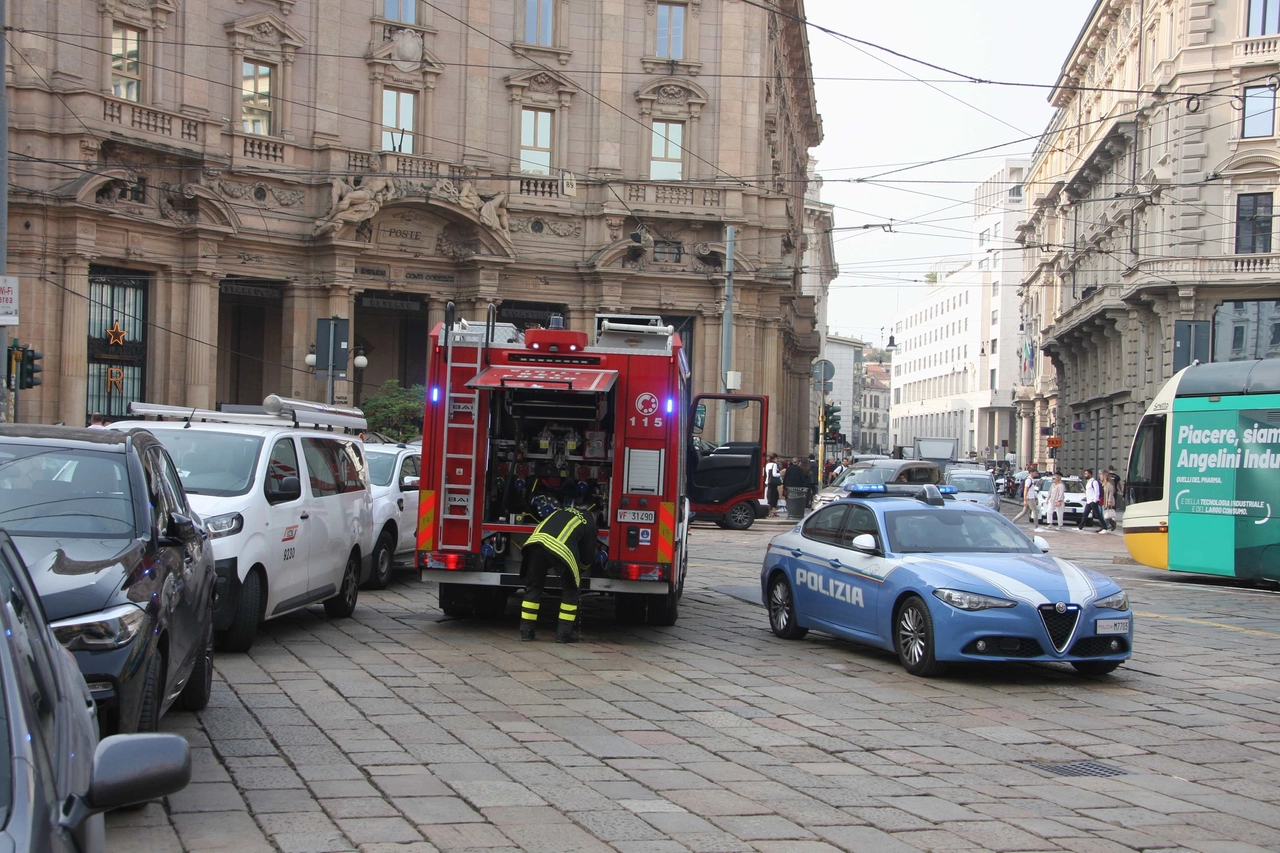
(550, 378)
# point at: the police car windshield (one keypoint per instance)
(972, 483)
(382, 466)
(931, 531)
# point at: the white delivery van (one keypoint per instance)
(285, 498)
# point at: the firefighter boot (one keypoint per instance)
(528, 620)
(567, 629)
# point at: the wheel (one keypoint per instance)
(343, 604)
(782, 610)
(913, 639)
(740, 516)
(383, 553)
(663, 610)
(248, 612)
(195, 696)
(1096, 667)
(630, 608)
(454, 600)
(490, 603)
(152, 694)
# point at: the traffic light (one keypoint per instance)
(27, 377)
(831, 419)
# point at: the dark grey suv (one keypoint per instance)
(123, 569)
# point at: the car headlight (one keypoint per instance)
(109, 629)
(971, 600)
(224, 525)
(1118, 601)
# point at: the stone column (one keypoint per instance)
(74, 355)
(1027, 450)
(202, 334)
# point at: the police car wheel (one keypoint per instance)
(782, 610)
(913, 639)
(1096, 667)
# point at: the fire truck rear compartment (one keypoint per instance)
(547, 446)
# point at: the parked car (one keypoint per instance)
(59, 779)
(394, 470)
(278, 546)
(935, 581)
(881, 470)
(122, 565)
(1074, 499)
(974, 485)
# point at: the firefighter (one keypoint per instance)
(566, 538)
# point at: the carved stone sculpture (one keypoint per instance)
(493, 213)
(354, 204)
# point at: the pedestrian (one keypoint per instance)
(1115, 479)
(568, 539)
(1057, 501)
(1108, 502)
(1030, 500)
(795, 480)
(772, 480)
(815, 475)
(828, 472)
(96, 421)
(1092, 502)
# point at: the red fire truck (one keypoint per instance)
(516, 419)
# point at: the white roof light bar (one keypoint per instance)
(280, 411)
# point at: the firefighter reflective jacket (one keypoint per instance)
(571, 535)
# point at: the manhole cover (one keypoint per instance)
(1081, 768)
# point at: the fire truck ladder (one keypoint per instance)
(458, 494)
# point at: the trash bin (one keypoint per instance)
(797, 502)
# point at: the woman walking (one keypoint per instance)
(1057, 501)
(1030, 496)
(772, 480)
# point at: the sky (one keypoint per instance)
(873, 126)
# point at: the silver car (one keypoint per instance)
(975, 486)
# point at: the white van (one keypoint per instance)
(287, 506)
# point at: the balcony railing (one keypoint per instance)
(262, 148)
(149, 120)
(1259, 50)
(540, 187)
(674, 194)
(1226, 266)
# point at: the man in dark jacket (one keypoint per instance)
(568, 539)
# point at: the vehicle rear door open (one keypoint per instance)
(730, 465)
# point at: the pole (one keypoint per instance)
(328, 391)
(726, 330)
(4, 202)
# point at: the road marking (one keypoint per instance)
(1207, 623)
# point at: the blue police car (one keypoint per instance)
(911, 570)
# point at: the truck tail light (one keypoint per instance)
(452, 562)
(644, 572)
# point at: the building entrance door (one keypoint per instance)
(250, 345)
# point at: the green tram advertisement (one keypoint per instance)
(1204, 473)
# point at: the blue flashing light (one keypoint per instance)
(435, 395)
(864, 488)
(947, 490)
(671, 405)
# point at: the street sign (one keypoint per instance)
(823, 370)
(8, 300)
(1079, 426)
(1054, 441)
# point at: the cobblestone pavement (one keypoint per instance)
(400, 730)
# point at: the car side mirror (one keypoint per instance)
(181, 530)
(866, 543)
(1041, 543)
(409, 483)
(290, 490)
(130, 769)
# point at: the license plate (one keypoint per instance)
(1112, 626)
(635, 516)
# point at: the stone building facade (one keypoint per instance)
(956, 368)
(1150, 224)
(196, 184)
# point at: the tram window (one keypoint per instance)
(1146, 464)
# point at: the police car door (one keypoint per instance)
(815, 560)
(862, 573)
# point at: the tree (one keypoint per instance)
(394, 411)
